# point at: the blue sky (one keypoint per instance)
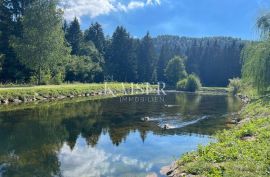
(194, 18)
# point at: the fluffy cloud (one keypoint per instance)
(86, 161)
(94, 8)
(77, 162)
(135, 4)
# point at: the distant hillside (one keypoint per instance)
(214, 59)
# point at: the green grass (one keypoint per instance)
(241, 151)
(214, 89)
(56, 90)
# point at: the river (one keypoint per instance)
(111, 137)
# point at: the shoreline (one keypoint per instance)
(251, 115)
(37, 94)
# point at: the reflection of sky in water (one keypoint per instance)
(132, 157)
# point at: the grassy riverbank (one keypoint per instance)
(52, 92)
(241, 151)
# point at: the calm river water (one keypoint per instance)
(108, 137)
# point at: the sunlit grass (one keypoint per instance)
(241, 151)
(65, 89)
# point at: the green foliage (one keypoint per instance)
(10, 25)
(42, 45)
(175, 70)
(235, 85)
(127, 58)
(214, 59)
(146, 59)
(2, 58)
(181, 85)
(166, 54)
(256, 58)
(122, 58)
(241, 151)
(83, 69)
(89, 49)
(256, 68)
(74, 36)
(192, 83)
(58, 90)
(263, 23)
(95, 34)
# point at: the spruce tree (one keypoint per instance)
(122, 57)
(146, 59)
(96, 35)
(166, 54)
(74, 36)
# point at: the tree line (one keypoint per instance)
(37, 45)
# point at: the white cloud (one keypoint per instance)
(83, 160)
(151, 2)
(135, 4)
(90, 8)
(77, 162)
(94, 8)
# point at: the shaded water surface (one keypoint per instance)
(108, 137)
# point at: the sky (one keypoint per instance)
(192, 18)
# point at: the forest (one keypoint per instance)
(57, 119)
(45, 49)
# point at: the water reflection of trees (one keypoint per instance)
(31, 138)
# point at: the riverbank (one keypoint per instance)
(241, 151)
(18, 95)
(214, 90)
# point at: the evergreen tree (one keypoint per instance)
(74, 36)
(165, 55)
(146, 59)
(122, 60)
(96, 35)
(42, 46)
(65, 26)
(214, 59)
(108, 68)
(10, 25)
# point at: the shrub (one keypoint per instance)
(58, 79)
(45, 78)
(235, 85)
(181, 85)
(192, 83)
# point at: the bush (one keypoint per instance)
(235, 85)
(58, 79)
(181, 85)
(192, 83)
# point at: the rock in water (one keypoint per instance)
(166, 126)
(145, 119)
